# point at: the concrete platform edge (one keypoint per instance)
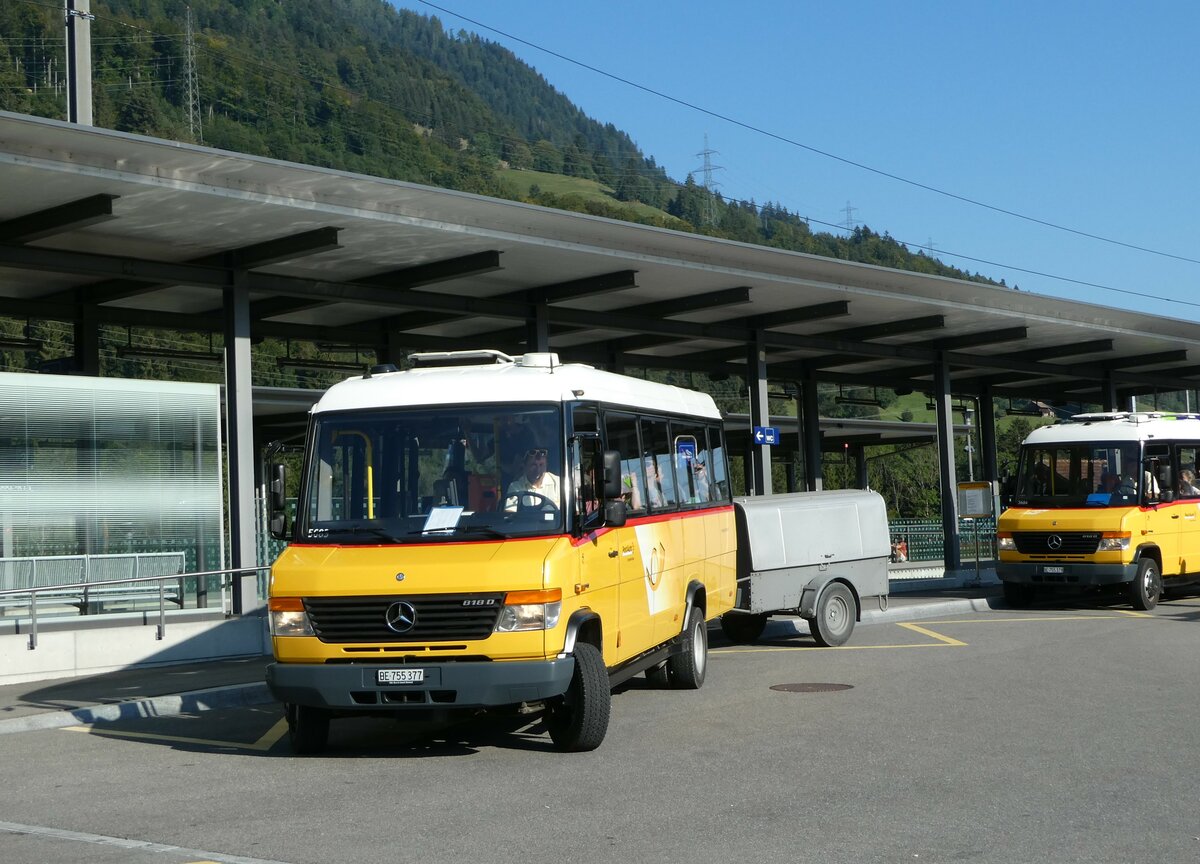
(158, 706)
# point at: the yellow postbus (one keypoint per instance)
(1104, 501)
(482, 531)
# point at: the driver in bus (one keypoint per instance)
(535, 479)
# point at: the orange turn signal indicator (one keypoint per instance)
(522, 598)
(286, 604)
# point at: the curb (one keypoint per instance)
(785, 627)
(157, 706)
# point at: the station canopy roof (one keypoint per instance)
(110, 227)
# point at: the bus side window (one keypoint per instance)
(621, 433)
(718, 478)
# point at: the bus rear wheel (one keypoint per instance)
(1146, 587)
(688, 666)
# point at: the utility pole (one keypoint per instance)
(78, 22)
(849, 211)
(193, 86)
(710, 200)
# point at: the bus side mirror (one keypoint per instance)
(615, 512)
(277, 502)
(612, 476)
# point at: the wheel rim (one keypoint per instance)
(1150, 586)
(837, 614)
(699, 654)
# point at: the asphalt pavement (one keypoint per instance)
(159, 691)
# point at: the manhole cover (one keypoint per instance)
(811, 688)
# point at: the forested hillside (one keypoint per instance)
(361, 86)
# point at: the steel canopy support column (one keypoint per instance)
(87, 341)
(239, 426)
(760, 415)
(949, 480)
(538, 329)
(810, 435)
(1109, 392)
(987, 435)
(860, 462)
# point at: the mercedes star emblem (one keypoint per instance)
(400, 617)
(1054, 541)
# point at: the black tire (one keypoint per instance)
(1018, 595)
(1146, 588)
(687, 668)
(578, 720)
(835, 615)
(739, 627)
(308, 729)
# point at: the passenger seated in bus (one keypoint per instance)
(535, 479)
(1187, 484)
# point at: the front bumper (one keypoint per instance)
(1050, 574)
(449, 685)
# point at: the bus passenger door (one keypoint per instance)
(1188, 496)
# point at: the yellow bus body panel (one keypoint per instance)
(634, 578)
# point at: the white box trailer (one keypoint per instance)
(818, 555)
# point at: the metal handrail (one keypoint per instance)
(83, 586)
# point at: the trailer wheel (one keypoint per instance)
(688, 666)
(743, 628)
(1018, 595)
(578, 720)
(1146, 587)
(308, 729)
(835, 615)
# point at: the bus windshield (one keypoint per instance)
(421, 475)
(1085, 474)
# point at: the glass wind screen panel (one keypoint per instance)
(102, 466)
(461, 473)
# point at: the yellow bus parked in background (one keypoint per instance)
(1104, 500)
(482, 531)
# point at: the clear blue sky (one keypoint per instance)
(1080, 114)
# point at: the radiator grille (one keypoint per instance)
(436, 617)
(1067, 543)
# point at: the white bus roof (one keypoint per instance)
(1120, 426)
(466, 377)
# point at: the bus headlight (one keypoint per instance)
(1005, 542)
(530, 610)
(288, 617)
(1113, 541)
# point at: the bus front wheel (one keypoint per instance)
(578, 720)
(308, 729)
(1146, 587)
(1018, 595)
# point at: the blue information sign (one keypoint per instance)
(766, 434)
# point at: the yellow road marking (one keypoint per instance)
(1133, 614)
(1005, 619)
(838, 648)
(932, 634)
(266, 742)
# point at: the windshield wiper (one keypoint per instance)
(482, 530)
(373, 531)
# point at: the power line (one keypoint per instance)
(828, 155)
